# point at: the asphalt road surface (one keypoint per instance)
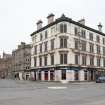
(51, 93)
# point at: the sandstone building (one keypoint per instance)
(67, 50)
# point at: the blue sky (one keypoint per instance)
(18, 17)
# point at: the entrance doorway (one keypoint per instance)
(52, 75)
(85, 75)
(92, 75)
(46, 75)
(39, 75)
(27, 77)
(34, 75)
(63, 74)
(76, 75)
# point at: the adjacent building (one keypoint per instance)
(67, 50)
(6, 66)
(21, 61)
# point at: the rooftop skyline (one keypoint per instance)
(18, 18)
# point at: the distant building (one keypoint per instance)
(22, 61)
(5, 66)
(67, 50)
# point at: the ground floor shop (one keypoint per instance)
(60, 73)
(22, 75)
(64, 73)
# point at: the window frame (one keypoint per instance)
(63, 28)
(63, 58)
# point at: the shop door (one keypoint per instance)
(63, 74)
(92, 75)
(34, 75)
(76, 75)
(85, 75)
(46, 75)
(39, 75)
(51, 75)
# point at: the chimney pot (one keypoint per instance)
(100, 27)
(39, 24)
(82, 21)
(50, 18)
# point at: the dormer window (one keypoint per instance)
(63, 28)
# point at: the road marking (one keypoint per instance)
(57, 87)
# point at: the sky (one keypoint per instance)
(18, 17)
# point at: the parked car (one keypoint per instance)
(100, 79)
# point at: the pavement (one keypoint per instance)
(14, 92)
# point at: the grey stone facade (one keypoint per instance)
(21, 61)
(6, 66)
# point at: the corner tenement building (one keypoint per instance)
(67, 50)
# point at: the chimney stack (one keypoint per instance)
(50, 18)
(100, 27)
(39, 24)
(82, 21)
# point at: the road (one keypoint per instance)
(51, 93)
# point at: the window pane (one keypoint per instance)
(83, 33)
(103, 50)
(61, 42)
(76, 44)
(40, 61)
(76, 31)
(83, 45)
(45, 34)
(61, 28)
(45, 46)
(35, 61)
(65, 28)
(98, 39)
(76, 59)
(35, 49)
(83, 59)
(91, 48)
(98, 62)
(45, 60)
(65, 58)
(52, 44)
(98, 49)
(52, 59)
(61, 58)
(104, 62)
(65, 43)
(41, 37)
(103, 40)
(40, 48)
(92, 60)
(91, 36)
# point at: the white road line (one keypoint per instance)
(57, 87)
